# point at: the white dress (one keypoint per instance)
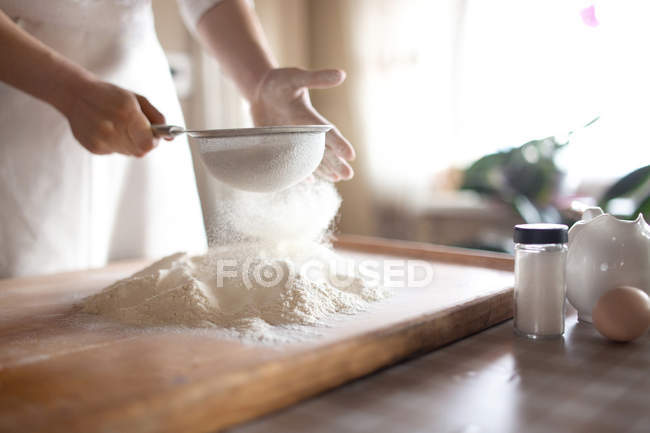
(63, 208)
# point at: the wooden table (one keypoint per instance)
(491, 382)
(64, 371)
(57, 374)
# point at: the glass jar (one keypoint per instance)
(540, 279)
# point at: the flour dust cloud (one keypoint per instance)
(270, 274)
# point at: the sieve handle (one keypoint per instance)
(167, 131)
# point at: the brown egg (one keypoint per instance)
(622, 314)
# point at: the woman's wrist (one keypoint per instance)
(69, 83)
(258, 83)
(232, 32)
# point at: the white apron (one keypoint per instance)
(64, 208)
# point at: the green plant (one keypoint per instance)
(525, 177)
(635, 188)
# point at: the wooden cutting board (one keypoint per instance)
(57, 374)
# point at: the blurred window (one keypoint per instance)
(446, 82)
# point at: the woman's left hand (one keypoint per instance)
(282, 98)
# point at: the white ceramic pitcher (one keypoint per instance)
(605, 252)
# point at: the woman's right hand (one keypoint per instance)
(105, 119)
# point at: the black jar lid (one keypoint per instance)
(541, 234)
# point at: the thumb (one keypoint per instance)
(153, 115)
(322, 79)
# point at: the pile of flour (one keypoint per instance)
(269, 274)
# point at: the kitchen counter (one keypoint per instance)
(165, 380)
(170, 379)
(491, 382)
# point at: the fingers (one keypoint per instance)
(334, 139)
(110, 119)
(338, 166)
(140, 135)
(333, 168)
(338, 151)
(155, 117)
(322, 79)
(139, 128)
(325, 173)
(340, 145)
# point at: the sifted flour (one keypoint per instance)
(269, 273)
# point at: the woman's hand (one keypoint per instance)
(282, 98)
(278, 96)
(104, 118)
(108, 119)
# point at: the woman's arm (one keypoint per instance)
(232, 33)
(26, 61)
(104, 118)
